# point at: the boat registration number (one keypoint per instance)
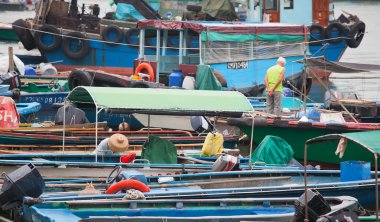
(237, 65)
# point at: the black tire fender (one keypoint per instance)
(44, 30)
(128, 35)
(335, 26)
(316, 29)
(24, 34)
(109, 29)
(82, 52)
(356, 35)
(79, 77)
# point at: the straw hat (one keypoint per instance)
(118, 143)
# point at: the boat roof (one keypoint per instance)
(226, 27)
(163, 101)
(368, 139)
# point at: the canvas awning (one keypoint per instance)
(338, 67)
(163, 101)
(368, 139)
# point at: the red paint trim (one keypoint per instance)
(127, 184)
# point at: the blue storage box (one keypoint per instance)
(355, 170)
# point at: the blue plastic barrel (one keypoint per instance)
(29, 71)
(355, 170)
(175, 79)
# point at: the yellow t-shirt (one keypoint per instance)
(274, 74)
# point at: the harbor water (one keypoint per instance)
(366, 84)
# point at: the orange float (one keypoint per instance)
(127, 184)
(148, 68)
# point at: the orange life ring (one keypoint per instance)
(127, 184)
(148, 68)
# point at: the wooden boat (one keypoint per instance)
(304, 131)
(261, 209)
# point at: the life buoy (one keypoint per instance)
(24, 34)
(112, 29)
(79, 77)
(128, 36)
(356, 35)
(317, 33)
(335, 27)
(127, 184)
(43, 31)
(83, 49)
(148, 68)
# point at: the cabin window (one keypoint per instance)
(288, 4)
(271, 5)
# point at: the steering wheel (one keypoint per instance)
(111, 178)
(52, 84)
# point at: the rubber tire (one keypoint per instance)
(57, 39)
(321, 30)
(341, 30)
(170, 43)
(24, 34)
(66, 46)
(128, 34)
(357, 29)
(190, 47)
(112, 28)
(79, 77)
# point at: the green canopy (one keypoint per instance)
(163, 101)
(370, 140)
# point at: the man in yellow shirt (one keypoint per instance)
(273, 84)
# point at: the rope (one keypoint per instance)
(136, 45)
(133, 194)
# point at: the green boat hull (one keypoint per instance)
(8, 35)
(319, 152)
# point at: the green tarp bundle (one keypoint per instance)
(158, 150)
(273, 150)
(229, 37)
(206, 79)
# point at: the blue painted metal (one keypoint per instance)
(301, 13)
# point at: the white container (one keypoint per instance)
(188, 82)
(48, 69)
(165, 179)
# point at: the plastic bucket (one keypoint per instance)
(355, 170)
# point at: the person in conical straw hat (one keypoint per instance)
(117, 143)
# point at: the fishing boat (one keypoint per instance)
(261, 127)
(271, 209)
(250, 45)
(7, 33)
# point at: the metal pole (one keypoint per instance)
(377, 189)
(180, 46)
(165, 42)
(158, 47)
(251, 142)
(96, 133)
(148, 125)
(305, 181)
(142, 44)
(64, 127)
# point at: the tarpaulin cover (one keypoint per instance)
(126, 11)
(227, 27)
(272, 150)
(206, 79)
(158, 150)
(338, 67)
(228, 37)
(219, 9)
(9, 117)
(163, 101)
